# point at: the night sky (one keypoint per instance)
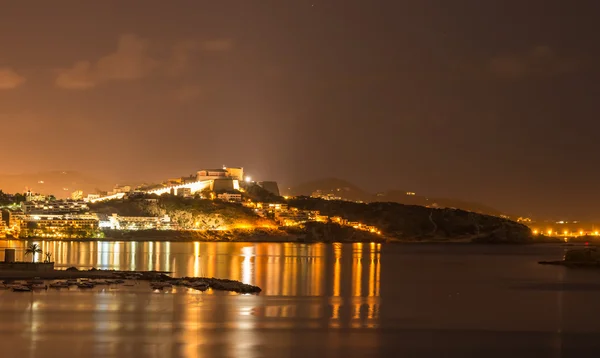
(494, 101)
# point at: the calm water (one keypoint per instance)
(360, 300)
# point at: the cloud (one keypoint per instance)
(540, 61)
(188, 93)
(10, 79)
(184, 51)
(130, 61)
(217, 45)
(180, 56)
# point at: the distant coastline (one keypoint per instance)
(283, 236)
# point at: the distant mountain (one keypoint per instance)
(59, 183)
(335, 187)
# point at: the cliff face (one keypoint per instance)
(411, 222)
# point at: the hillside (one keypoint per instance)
(187, 213)
(349, 191)
(417, 223)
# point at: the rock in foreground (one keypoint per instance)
(585, 257)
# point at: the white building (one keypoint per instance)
(117, 222)
(56, 207)
(236, 197)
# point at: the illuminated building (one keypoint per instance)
(29, 196)
(3, 229)
(291, 218)
(54, 207)
(117, 222)
(49, 225)
(235, 173)
(329, 196)
(232, 197)
(77, 195)
(91, 197)
(184, 192)
(272, 207)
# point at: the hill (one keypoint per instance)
(348, 191)
(418, 223)
(334, 186)
(59, 183)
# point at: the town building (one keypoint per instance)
(117, 222)
(184, 192)
(54, 207)
(58, 226)
(77, 195)
(30, 196)
(272, 207)
(236, 173)
(12, 219)
(231, 197)
(291, 217)
(92, 197)
(325, 196)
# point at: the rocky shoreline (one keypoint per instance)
(152, 276)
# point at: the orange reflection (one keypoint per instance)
(337, 268)
(356, 268)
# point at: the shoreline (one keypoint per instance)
(150, 276)
(292, 240)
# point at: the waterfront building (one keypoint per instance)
(12, 218)
(117, 222)
(59, 226)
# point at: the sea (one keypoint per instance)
(317, 300)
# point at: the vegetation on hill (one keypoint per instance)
(187, 213)
(411, 222)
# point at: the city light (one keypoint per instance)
(535, 232)
(248, 179)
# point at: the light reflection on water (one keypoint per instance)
(286, 270)
(280, 269)
(317, 300)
